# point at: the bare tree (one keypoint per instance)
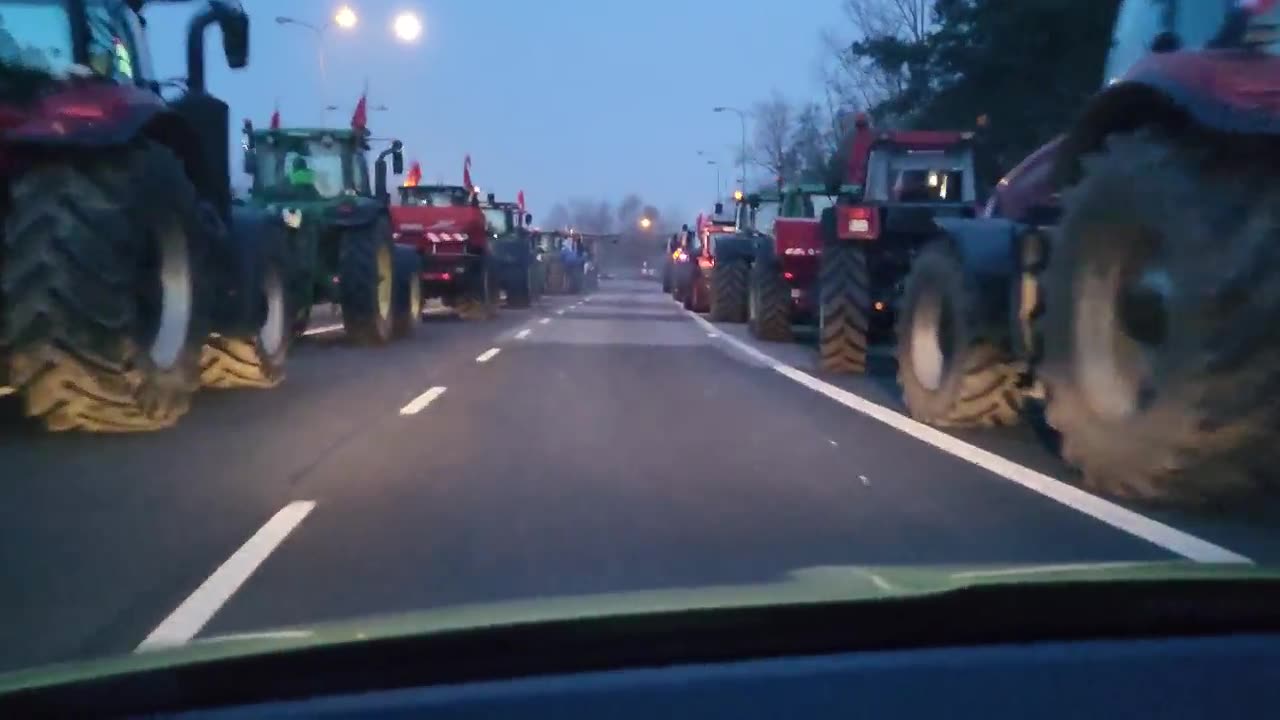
(853, 82)
(629, 210)
(772, 150)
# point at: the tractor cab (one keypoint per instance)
(1160, 27)
(301, 165)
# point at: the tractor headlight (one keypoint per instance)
(292, 218)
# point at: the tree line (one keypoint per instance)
(1027, 65)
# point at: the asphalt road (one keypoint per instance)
(591, 444)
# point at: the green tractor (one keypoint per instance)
(317, 179)
(511, 247)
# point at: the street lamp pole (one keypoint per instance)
(719, 190)
(742, 118)
(319, 31)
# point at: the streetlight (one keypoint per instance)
(407, 27)
(346, 19)
(645, 223)
(718, 189)
(742, 117)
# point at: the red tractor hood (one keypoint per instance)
(437, 220)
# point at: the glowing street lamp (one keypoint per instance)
(407, 27)
(345, 18)
(645, 223)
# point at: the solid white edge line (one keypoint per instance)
(200, 606)
(487, 355)
(321, 330)
(523, 334)
(544, 321)
(419, 403)
(1136, 524)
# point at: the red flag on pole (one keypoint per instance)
(520, 200)
(466, 172)
(360, 118)
(415, 175)
(275, 118)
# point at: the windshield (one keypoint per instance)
(422, 196)
(224, 422)
(36, 34)
(496, 220)
(307, 169)
(763, 216)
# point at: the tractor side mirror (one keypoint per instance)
(528, 219)
(250, 161)
(397, 162)
(719, 208)
(490, 198)
(234, 22)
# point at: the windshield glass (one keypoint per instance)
(424, 196)
(36, 34)
(496, 220)
(306, 169)
(225, 423)
(764, 216)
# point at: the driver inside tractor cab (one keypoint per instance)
(928, 186)
(300, 175)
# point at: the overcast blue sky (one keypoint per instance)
(562, 98)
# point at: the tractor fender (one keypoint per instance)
(1158, 97)
(986, 249)
(252, 239)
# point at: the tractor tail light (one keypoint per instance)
(706, 263)
(858, 222)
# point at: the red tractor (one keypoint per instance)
(128, 277)
(696, 260)
(447, 227)
(903, 182)
(1125, 273)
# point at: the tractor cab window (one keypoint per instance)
(36, 35)
(113, 44)
(815, 204)
(920, 176)
(763, 216)
(422, 196)
(298, 168)
(1137, 25)
(496, 220)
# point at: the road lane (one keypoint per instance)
(618, 447)
(1249, 531)
(101, 536)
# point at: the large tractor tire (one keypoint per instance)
(520, 286)
(1160, 363)
(406, 292)
(257, 361)
(574, 279)
(729, 282)
(844, 308)
(769, 304)
(479, 300)
(951, 375)
(106, 299)
(556, 278)
(366, 279)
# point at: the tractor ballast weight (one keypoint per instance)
(1120, 272)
